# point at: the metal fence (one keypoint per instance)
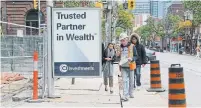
(17, 58)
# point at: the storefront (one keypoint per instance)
(176, 43)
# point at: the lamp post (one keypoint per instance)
(107, 5)
(188, 16)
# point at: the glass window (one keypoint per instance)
(32, 20)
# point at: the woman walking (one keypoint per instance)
(198, 52)
(109, 58)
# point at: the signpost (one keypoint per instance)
(76, 42)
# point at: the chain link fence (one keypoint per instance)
(17, 66)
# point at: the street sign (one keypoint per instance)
(76, 42)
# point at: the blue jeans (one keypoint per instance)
(137, 76)
(128, 81)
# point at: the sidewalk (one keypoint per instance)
(90, 93)
(84, 93)
(142, 98)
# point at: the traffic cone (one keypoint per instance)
(177, 96)
(155, 77)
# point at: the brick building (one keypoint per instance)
(22, 12)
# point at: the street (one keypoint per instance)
(192, 75)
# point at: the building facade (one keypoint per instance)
(141, 8)
(140, 20)
(23, 13)
(154, 8)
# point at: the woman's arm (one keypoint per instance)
(143, 54)
(135, 54)
(104, 56)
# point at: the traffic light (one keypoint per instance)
(98, 5)
(35, 4)
(131, 4)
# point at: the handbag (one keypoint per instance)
(132, 64)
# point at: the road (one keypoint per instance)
(192, 75)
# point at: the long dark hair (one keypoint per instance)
(134, 36)
(110, 44)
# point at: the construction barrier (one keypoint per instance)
(35, 76)
(155, 77)
(17, 68)
(177, 97)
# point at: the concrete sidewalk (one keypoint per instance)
(142, 98)
(89, 92)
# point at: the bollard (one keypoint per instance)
(155, 77)
(35, 79)
(177, 97)
(35, 76)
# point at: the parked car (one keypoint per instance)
(150, 55)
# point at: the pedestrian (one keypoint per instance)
(141, 59)
(108, 59)
(127, 55)
(198, 52)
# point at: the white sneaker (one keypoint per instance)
(138, 88)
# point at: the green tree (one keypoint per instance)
(156, 27)
(103, 30)
(118, 31)
(173, 22)
(195, 7)
(153, 28)
(78, 3)
(144, 31)
(125, 18)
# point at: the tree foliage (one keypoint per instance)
(144, 31)
(195, 7)
(78, 3)
(103, 29)
(125, 18)
(154, 27)
(119, 30)
(173, 22)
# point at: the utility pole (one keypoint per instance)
(50, 79)
(108, 22)
(39, 20)
(114, 18)
(50, 82)
(1, 20)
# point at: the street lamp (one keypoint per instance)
(188, 21)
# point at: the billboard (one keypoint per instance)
(76, 38)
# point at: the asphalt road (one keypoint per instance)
(192, 75)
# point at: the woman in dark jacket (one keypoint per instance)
(108, 58)
(141, 59)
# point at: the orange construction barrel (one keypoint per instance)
(177, 96)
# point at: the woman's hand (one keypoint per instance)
(108, 59)
(129, 59)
